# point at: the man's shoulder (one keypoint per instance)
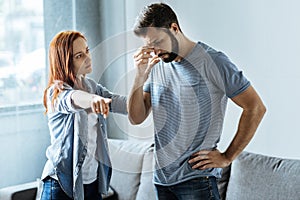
(214, 53)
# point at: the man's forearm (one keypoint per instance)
(137, 111)
(249, 121)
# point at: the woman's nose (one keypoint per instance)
(88, 57)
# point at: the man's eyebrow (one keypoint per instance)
(153, 41)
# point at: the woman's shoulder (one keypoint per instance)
(62, 86)
(90, 84)
(90, 80)
(93, 84)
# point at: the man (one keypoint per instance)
(186, 85)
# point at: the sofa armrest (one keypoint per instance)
(127, 162)
(223, 181)
(26, 191)
(259, 177)
(146, 189)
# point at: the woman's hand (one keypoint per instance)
(100, 105)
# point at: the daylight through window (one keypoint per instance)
(22, 52)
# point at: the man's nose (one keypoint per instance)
(156, 51)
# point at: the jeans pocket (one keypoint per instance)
(52, 190)
(46, 190)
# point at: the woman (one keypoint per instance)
(78, 165)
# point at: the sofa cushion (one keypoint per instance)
(146, 188)
(259, 177)
(127, 159)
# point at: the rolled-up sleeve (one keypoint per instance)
(63, 103)
(119, 102)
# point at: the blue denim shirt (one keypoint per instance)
(68, 127)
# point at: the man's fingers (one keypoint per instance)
(197, 158)
(154, 61)
(208, 159)
(202, 152)
(143, 53)
(201, 165)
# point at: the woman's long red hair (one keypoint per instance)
(61, 62)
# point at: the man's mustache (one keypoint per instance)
(161, 54)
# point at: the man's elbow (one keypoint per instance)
(137, 116)
(135, 120)
(261, 110)
(132, 122)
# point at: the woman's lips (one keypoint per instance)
(88, 66)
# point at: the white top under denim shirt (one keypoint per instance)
(90, 164)
(68, 127)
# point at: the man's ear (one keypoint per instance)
(174, 27)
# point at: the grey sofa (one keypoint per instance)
(259, 177)
(250, 177)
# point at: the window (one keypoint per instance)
(22, 52)
(24, 133)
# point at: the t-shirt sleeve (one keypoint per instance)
(232, 80)
(147, 85)
(118, 104)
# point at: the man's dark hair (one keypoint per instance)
(158, 15)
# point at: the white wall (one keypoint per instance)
(23, 140)
(262, 38)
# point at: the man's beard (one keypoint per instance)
(170, 55)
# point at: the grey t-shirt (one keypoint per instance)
(189, 100)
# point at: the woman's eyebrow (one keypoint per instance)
(77, 53)
(81, 51)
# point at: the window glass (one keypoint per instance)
(22, 52)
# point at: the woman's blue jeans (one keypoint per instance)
(53, 191)
(203, 188)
